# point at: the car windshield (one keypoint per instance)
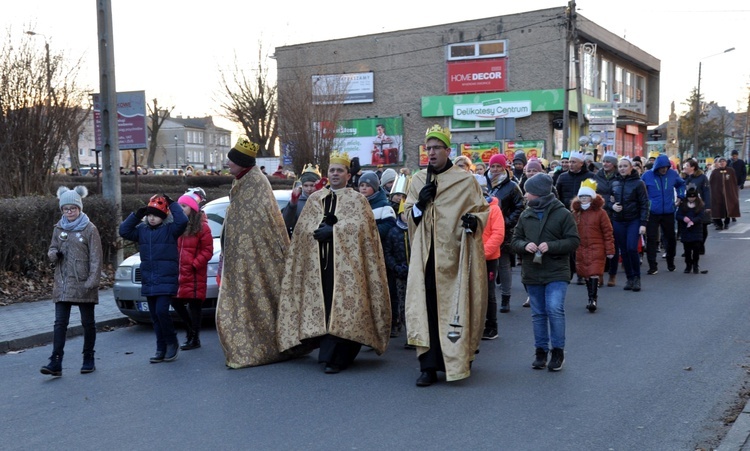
(215, 214)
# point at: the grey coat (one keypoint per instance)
(77, 274)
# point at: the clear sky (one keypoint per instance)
(174, 49)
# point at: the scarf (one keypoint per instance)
(76, 226)
(541, 203)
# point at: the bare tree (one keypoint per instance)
(308, 117)
(39, 104)
(250, 99)
(156, 119)
(73, 135)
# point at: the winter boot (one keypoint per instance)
(505, 303)
(628, 284)
(637, 283)
(172, 350)
(557, 359)
(592, 285)
(54, 367)
(688, 268)
(88, 363)
(612, 280)
(193, 342)
(188, 336)
(540, 360)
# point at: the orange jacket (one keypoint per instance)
(494, 232)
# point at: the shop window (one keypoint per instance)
(477, 50)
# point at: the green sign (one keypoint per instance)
(374, 140)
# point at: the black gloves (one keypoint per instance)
(141, 213)
(168, 199)
(426, 195)
(324, 233)
(469, 222)
(60, 255)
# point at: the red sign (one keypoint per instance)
(486, 75)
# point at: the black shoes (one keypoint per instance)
(158, 357)
(557, 359)
(688, 269)
(193, 342)
(490, 333)
(88, 363)
(427, 378)
(628, 284)
(394, 331)
(505, 304)
(54, 367)
(540, 360)
(636, 283)
(671, 267)
(332, 368)
(653, 271)
(591, 306)
(171, 354)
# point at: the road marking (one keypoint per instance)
(737, 229)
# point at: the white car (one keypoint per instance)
(127, 288)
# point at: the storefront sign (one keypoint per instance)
(477, 76)
(491, 109)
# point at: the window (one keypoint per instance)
(477, 50)
(200, 137)
(588, 73)
(604, 83)
(459, 125)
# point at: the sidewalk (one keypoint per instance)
(30, 324)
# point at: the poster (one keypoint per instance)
(480, 151)
(375, 141)
(532, 148)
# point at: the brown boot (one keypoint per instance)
(601, 280)
(612, 280)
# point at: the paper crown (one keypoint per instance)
(401, 185)
(565, 155)
(588, 188)
(340, 158)
(309, 168)
(653, 154)
(246, 146)
(577, 155)
(438, 132)
(545, 163)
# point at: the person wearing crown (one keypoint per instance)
(597, 239)
(307, 185)
(446, 293)
(254, 244)
(334, 295)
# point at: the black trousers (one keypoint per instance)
(666, 224)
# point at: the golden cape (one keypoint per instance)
(254, 246)
(361, 309)
(459, 279)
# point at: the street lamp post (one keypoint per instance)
(696, 111)
(176, 164)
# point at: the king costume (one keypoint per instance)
(254, 248)
(335, 294)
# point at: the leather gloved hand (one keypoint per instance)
(426, 195)
(60, 256)
(469, 222)
(141, 213)
(324, 233)
(168, 199)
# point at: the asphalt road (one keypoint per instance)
(653, 370)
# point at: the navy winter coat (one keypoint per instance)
(160, 259)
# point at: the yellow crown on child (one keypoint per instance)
(340, 158)
(589, 183)
(588, 188)
(310, 168)
(246, 146)
(438, 132)
(653, 154)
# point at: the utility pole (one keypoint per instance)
(108, 97)
(569, 27)
(577, 68)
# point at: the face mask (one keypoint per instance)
(585, 206)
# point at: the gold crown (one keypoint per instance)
(340, 158)
(313, 169)
(246, 146)
(438, 132)
(653, 154)
(589, 183)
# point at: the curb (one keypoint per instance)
(31, 341)
(737, 437)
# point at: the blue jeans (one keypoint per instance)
(548, 314)
(626, 238)
(62, 318)
(158, 307)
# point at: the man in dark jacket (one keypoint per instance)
(545, 236)
(661, 184)
(567, 187)
(519, 163)
(740, 171)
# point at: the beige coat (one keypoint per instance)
(361, 306)
(458, 193)
(77, 274)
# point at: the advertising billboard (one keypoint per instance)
(355, 88)
(131, 120)
(532, 148)
(374, 140)
(477, 76)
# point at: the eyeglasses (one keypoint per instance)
(429, 148)
(69, 209)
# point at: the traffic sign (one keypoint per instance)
(601, 127)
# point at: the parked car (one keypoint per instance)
(127, 288)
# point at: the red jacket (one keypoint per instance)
(494, 232)
(597, 240)
(195, 252)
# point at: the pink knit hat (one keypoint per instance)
(499, 158)
(190, 201)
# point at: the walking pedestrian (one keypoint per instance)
(76, 252)
(689, 219)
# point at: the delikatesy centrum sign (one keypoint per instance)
(491, 109)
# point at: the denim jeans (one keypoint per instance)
(548, 314)
(626, 239)
(158, 307)
(62, 318)
(504, 273)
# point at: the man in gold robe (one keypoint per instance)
(335, 292)
(254, 244)
(446, 293)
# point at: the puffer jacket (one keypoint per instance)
(493, 234)
(597, 238)
(569, 183)
(195, 253)
(630, 192)
(603, 182)
(661, 188)
(693, 233)
(160, 261)
(385, 217)
(700, 180)
(77, 274)
(558, 229)
(510, 197)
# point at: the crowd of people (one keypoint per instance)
(358, 258)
